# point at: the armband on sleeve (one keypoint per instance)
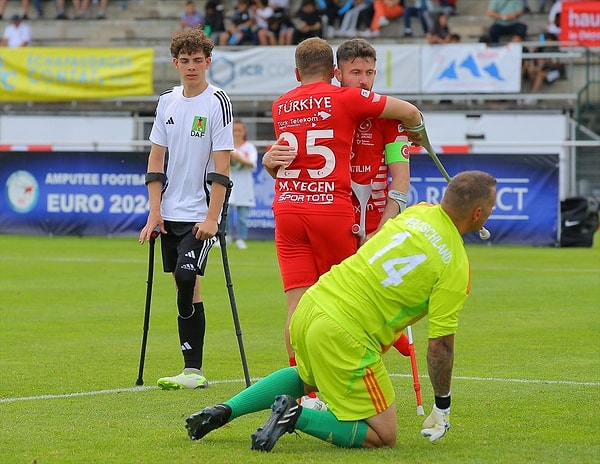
(397, 152)
(399, 197)
(219, 179)
(155, 176)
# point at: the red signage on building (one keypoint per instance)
(580, 23)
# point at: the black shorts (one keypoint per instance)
(180, 247)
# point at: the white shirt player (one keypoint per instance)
(191, 128)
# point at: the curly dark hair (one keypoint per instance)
(191, 41)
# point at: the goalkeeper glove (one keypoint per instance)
(436, 424)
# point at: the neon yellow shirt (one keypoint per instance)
(415, 266)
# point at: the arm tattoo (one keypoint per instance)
(440, 359)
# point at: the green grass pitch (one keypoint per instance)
(526, 385)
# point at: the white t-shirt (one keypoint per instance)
(16, 36)
(242, 177)
(191, 129)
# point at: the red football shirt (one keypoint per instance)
(368, 166)
(319, 119)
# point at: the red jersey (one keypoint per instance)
(319, 119)
(368, 166)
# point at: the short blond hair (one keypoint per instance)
(314, 57)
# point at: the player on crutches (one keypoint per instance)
(187, 189)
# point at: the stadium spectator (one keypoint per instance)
(347, 320)
(243, 163)
(348, 26)
(214, 20)
(80, 8)
(384, 11)
(540, 71)
(240, 29)
(309, 21)
(447, 6)
(188, 206)
(191, 17)
(262, 13)
(553, 27)
(331, 11)
(24, 7)
(505, 14)
(418, 8)
(440, 30)
(16, 34)
(312, 233)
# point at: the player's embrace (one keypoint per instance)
(314, 124)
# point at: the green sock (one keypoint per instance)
(262, 394)
(325, 426)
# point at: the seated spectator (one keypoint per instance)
(440, 31)
(80, 7)
(541, 71)
(241, 24)
(282, 28)
(281, 23)
(16, 34)
(420, 9)
(191, 17)
(553, 27)
(365, 17)
(384, 11)
(455, 38)
(309, 22)
(25, 7)
(103, 6)
(214, 20)
(447, 6)
(349, 24)
(505, 14)
(262, 14)
(331, 17)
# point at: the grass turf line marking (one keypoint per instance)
(142, 388)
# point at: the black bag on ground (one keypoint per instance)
(579, 221)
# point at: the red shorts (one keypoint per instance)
(308, 245)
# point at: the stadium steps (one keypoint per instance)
(151, 23)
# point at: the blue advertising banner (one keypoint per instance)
(527, 204)
(527, 207)
(74, 193)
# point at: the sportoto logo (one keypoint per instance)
(22, 191)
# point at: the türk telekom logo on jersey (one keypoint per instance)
(22, 191)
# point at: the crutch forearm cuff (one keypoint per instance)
(419, 127)
(218, 178)
(156, 176)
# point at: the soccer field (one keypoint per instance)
(526, 386)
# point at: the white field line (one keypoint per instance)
(145, 388)
(145, 260)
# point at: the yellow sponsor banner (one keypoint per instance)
(59, 74)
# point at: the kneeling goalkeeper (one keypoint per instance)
(416, 265)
